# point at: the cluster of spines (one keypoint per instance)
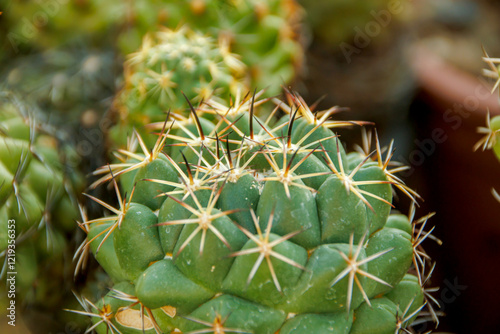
(491, 132)
(205, 153)
(170, 62)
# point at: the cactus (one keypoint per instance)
(171, 63)
(491, 132)
(37, 199)
(264, 33)
(251, 225)
(65, 82)
(491, 139)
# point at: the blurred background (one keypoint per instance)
(414, 67)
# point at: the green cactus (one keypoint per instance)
(171, 63)
(491, 132)
(491, 139)
(258, 227)
(65, 82)
(37, 208)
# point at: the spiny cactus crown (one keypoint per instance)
(264, 33)
(236, 224)
(171, 63)
(36, 202)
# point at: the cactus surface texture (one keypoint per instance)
(491, 139)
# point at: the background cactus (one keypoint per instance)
(255, 225)
(265, 33)
(492, 133)
(171, 63)
(39, 183)
(491, 139)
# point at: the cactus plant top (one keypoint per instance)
(37, 208)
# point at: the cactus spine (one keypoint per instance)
(491, 139)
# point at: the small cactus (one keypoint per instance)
(264, 33)
(491, 139)
(251, 225)
(42, 25)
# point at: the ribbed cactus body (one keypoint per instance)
(34, 179)
(169, 64)
(37, 208)
(242, 243)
